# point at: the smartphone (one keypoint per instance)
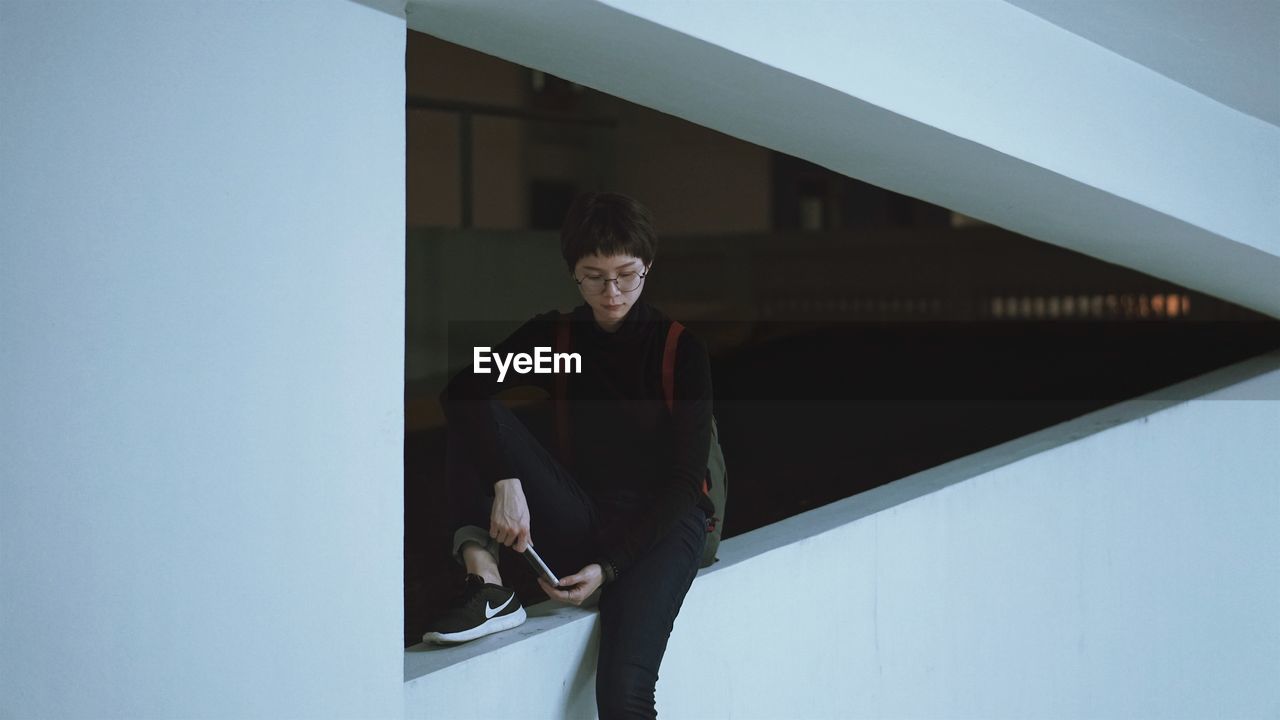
(540, 567)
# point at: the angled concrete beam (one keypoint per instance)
(978, 106)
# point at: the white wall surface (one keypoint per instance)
(201, 359)
(1124, 564)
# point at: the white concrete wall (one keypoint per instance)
(961, 67)
(201, 357)
(1120, 565)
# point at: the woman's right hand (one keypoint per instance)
(509, 519)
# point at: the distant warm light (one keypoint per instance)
(1024, 307)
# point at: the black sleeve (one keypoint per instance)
(682, 486)
(466, 399)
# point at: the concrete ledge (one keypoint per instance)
(956, 573)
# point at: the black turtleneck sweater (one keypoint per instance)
(642, 465)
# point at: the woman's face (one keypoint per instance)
(609, 304)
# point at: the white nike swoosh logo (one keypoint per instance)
(489, 612)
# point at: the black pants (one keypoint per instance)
(638, 609)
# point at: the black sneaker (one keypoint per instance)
(483, 608)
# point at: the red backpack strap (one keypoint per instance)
(669, 366)
(669, 378)
(561, 399)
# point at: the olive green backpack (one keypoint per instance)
(714, 482)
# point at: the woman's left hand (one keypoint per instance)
(575, 588)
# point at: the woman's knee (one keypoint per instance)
(625, 690)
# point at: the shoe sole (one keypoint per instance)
(488, 627)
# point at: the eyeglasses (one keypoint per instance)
(626, 282)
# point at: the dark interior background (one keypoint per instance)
(857, 335)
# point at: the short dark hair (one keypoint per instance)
(607, 224)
